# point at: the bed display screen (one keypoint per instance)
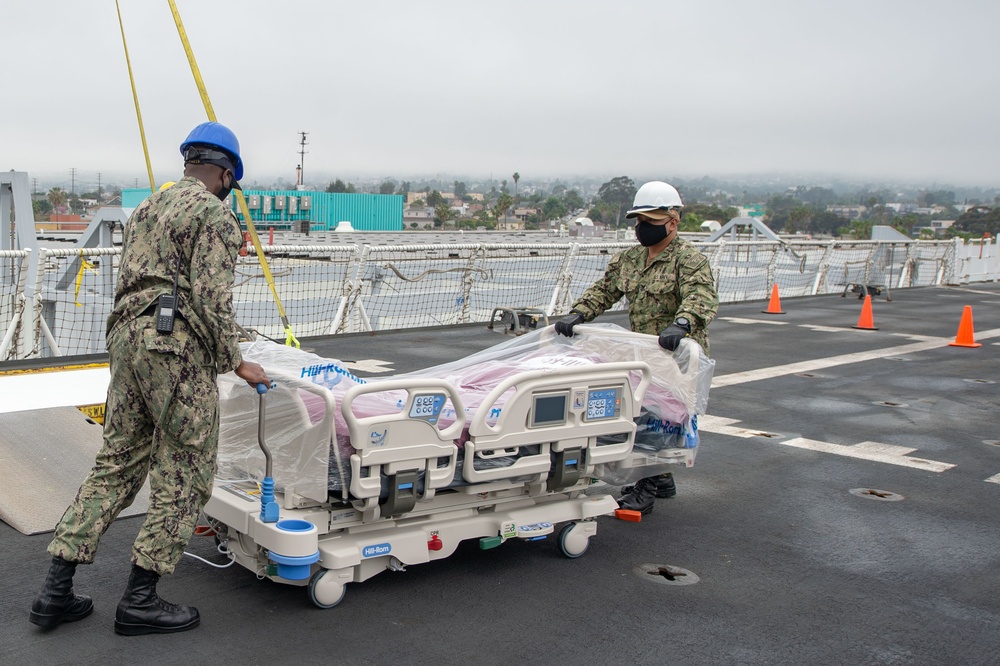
(603, 404)
(548, 410)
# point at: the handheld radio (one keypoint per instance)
(166, 306)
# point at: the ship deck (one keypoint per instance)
(787, 520)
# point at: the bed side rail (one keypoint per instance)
(576, 417)
(405, 442)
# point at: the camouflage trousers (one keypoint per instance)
(161, 421)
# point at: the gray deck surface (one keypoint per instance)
(793, 568)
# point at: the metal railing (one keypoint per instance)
(334, 289)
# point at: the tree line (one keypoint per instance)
(802, 209)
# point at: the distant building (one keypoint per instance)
(753, 210)
(290, 209)
(510, 224)
(422, 217)
(937, 227)
(524, 213)
(584, 227)
(848, 212)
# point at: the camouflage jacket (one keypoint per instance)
(183, 230)
(677, 283)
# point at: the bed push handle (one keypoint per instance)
(268, 507)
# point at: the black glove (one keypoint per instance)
(565, 325)
(671, 336)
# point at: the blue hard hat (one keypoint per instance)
(219, 136)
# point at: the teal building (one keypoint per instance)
(291, 209)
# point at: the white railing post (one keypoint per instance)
(772, 267)
(715, 261)
(12, 338)
(478, 255)
(824, 266)
(560, 301)
(345, 293)
(959, 264)
(904, 274)
(354, 310)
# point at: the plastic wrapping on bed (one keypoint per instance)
(678, 392)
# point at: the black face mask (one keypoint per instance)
(650, 234)
(224, 192)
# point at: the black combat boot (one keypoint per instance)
(664, 484)
(56, 603)
(641, 498)
(142, 612)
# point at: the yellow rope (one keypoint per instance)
(135, 97)
(289, 335)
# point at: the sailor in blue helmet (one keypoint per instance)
(162, 415)
(214, 143)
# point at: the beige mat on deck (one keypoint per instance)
(44, 456)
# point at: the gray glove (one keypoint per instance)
(671, 336)
(565, 325)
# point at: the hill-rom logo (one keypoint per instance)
(376, 550)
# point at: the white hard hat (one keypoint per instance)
(655, 195)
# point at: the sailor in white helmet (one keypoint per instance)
(671, 293)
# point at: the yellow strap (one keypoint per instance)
(84, 265)
(241, 200)
(138, 114)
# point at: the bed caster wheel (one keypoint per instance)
(325, 590)
(574, 540)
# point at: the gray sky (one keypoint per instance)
(892, 89)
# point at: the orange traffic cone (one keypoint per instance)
(865, 321)
(774, 307)
(965, 337)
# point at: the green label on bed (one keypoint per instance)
(508, 530)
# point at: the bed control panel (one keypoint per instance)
(427, 406)
(603, 404)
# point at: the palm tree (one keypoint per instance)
(516, 178)
(57, 197)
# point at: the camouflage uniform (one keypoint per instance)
(163, 404)
(677, 283)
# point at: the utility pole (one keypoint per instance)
(72, 174)
(302, 160)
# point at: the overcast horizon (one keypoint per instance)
(882, 92)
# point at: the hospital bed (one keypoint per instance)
(380, 475)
